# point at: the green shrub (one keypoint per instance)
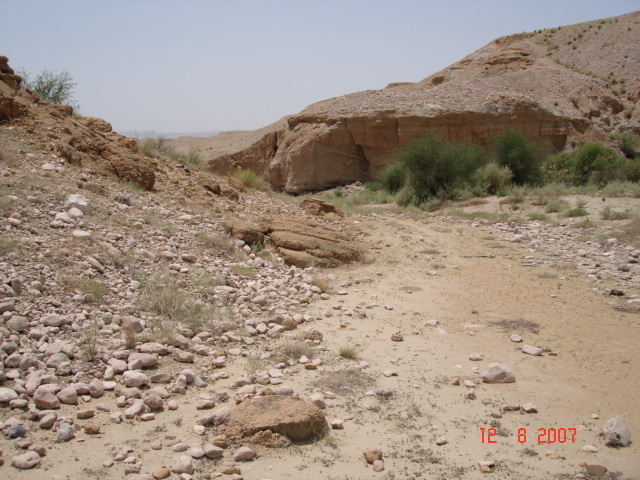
(51, 86)
(577, 212)
(629, 144)
(393, 177)
(559, 168)
(630, 170)
(594, 162)
(556, 205)
(492, 178)
(607, 213)
(517, 151)
(435, 168)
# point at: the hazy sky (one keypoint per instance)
(190, 66)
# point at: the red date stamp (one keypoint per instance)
(544, 435)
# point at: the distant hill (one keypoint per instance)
(154, 134)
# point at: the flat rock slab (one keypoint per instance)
(288, 416)
(299, 242)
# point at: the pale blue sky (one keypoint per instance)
(189, 66)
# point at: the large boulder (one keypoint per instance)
(288, 416)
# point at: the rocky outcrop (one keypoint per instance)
(299, 242)
(85, 141)
(518, 81)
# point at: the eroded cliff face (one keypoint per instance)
(513, 81)
(315, 155)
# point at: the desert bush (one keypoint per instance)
(629, 144)
(607, 213)
(435, 168)
(555, 205)
(393, 177)
(514, 149)
(162, 295)
(630, 170)
(593, 162)
(577, 212)
(54, 87)
(492, 178)
(559, 168)
(249, 179)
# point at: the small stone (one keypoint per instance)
(471, 394)
(213, 452)
(180, 447)
(590, 449)
(156, 444)
(529, 408)
(498, 373)
(84, 414)
(595, 470)
(476, 357)
(243, 454)
(372, 455)
(318, 400)
(184, 464)
(384, 392)
(161, 473)
(17, 431)
(132, 378)
(196, 452)
(516, 338)
(455, 382)
(378, 465)
(92, 428)
(535, 351)
(397, 337)
(231, 470)
(337, 424)
(441, 441)
(616, 433)
(45, 399)
(26, 460)
(553, 454)
(65, 432)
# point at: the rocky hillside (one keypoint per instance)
(563, 86)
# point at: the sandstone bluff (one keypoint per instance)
(562, 86)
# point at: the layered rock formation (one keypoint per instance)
(528, 81)
(84, 141)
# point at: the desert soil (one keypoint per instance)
(481, 288)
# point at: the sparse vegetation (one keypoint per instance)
(54, 87)
(161, 146)
(9, 245)
(607, 213)
(249, 179)
(351, 350)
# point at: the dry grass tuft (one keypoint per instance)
(295, 349)
(346, 381)
(517, 325)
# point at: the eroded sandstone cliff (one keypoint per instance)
(524, 80)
